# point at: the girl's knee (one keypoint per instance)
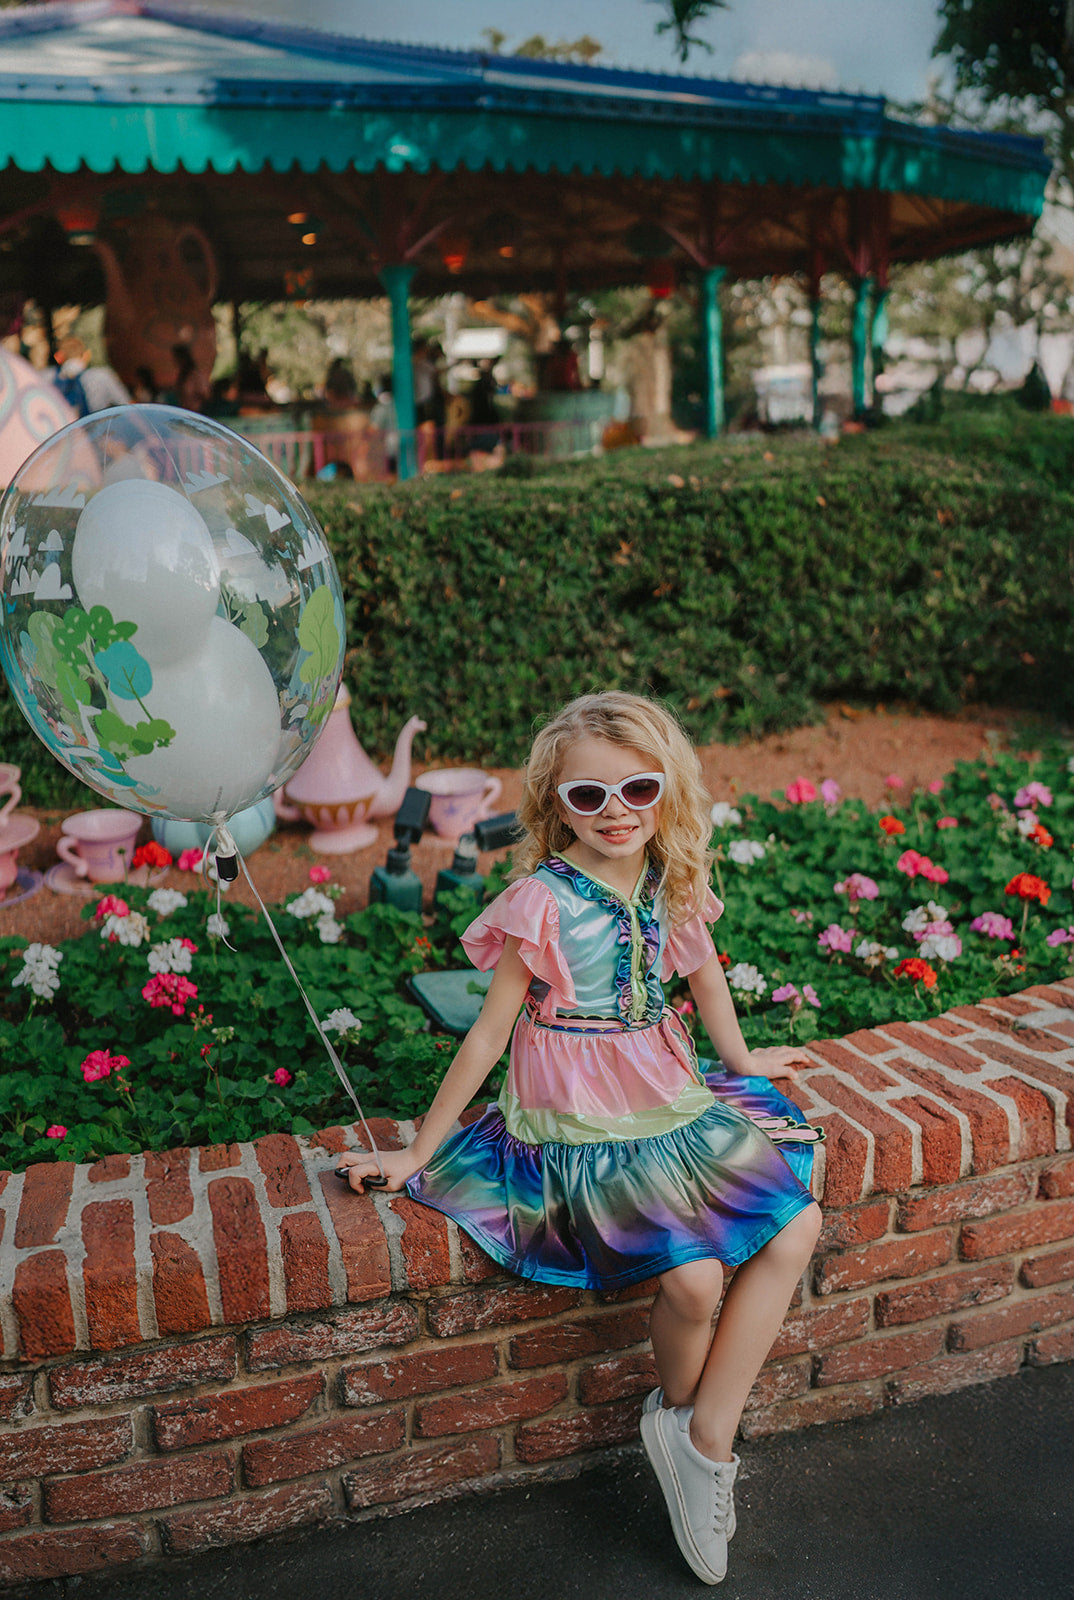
(801, 1233)
(693, 1290)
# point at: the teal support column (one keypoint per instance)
(397, 280)
(815, 362)
(859, 347)
(878, 334)
(712, 344)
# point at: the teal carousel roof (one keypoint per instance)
(528, 170)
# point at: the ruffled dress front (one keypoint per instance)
(610, 1156)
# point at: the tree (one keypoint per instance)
(538, 48)
(683, 15)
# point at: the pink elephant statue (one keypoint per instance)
(161, 285)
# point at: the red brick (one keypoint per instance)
(1036, 1117)
(1003, 1053)
(566, 1341)
(1052, 1347)
(167, 1185)
(987, 1118)
(866, 1073)
(218, 1157)
(1056, 1077)
(385, 1131)
(1023, 1316)
(346, 1334)
(917, 1037)
(26, 1557)
(1021, 1230)
(241, 1249)
(978, 1017)
(361, 1239)
(64, 1447)
(898, 1258)
(1055, 994)
(304, 1250)
(252, 1517)
(424, 1244)
(46, 1197)
(868, 1041)
(978, 1197)
(845, 1154)
(1057, 1181)
(334, 1140)
(110, 1169)
(1055, 1267)
(941, 1137)
(778, 1380)
(892, 1140)
(644, 1289)
(280, 1159)
(421, 1472)
(16, 1395)
(812, 1330)
(16, 1507)
(142, 1487)
(180, 1297)
(861, 1225)
(490, 1406)
(109, 1274)
(616, 1377)
(932, 1297)
(476, 1265)
(153, 1371)
(473, 1309)
(1037, 1039)
(42, 1301)
(823, 1405)
(209, 1417)
(1011, 1005)
(368, 1383)
(580, 1430)
(945, 1026)
(955, 1372)
(876, 1357)
(330, 1444)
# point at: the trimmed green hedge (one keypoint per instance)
(745, 582)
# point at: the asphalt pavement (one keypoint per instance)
(967, 1496)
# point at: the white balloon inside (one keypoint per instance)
(224, 708)
(142, 549)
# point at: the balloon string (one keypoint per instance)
(222, 841)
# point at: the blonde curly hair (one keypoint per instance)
(680, 846)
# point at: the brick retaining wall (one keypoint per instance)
(205, 1346)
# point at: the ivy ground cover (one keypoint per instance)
(171, 1022)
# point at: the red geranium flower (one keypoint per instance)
(917, 969)
(1029, 887)
(151, 855)
(892, 825)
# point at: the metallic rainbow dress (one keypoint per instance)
(610, 1157)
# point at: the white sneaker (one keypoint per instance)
(654, 1401)
(699, 1492)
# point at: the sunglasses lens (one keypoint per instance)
(641, 792)
(586, 798)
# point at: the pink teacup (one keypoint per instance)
(99, 845)
(461, 797)
(9, 785)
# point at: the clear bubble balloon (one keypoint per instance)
(171, 621)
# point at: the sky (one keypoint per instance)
(863, 46)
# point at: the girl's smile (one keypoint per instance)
(610, 844)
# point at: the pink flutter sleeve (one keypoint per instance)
(690, 943)
(526, 911)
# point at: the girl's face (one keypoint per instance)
(616, 834)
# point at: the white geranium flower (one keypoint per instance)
(311, 904)
(918, 920)
(744, 851)
(172, 956)
(165, 901)
(873, 953)
(940, 946)
(746, 979)
(329, 930)
(724, 815)
(132, 929)
(342, 1020)
(38, 970)
(217, 926)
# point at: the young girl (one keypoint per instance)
(610, 1158)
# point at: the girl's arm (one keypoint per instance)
(708, 985)
(475, 1059)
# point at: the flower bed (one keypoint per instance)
(172, 1023)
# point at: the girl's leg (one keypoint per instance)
(752, 1312)
(680, 1327)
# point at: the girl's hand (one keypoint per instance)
(358, 1165)
(776, 1061)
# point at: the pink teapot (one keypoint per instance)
(338, 790)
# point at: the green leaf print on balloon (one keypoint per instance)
(319, 634)
(254, 623)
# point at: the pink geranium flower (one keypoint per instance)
(800, 792)
(111, 906)
(283, 1077)
(858, 887)
(57, 1131)
(947, 822)
(790, 992)
(190, 860)
(893, 781)
(100, 1064)
(170, 989)
(836, 939)
(320, 874)
(935, 786)
(1033, 794)
(830, 792)
(993, 925)
(916, 865)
